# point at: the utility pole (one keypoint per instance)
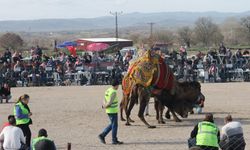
(151, 29)
(116, 22)
(151, 33)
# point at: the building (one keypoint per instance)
(82, 43)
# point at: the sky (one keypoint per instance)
(40, 9)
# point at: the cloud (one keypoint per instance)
(120, 2)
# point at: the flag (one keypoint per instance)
(72, 50)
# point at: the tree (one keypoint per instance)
(245, 22)
(164, 36)
(11, 40)
(206, 31)
(184, 35)
(232, 31)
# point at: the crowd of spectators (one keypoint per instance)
(222, 65)
(38, 69)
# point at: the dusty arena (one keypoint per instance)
(74, 115)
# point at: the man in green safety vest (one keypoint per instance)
(42, 142)
(205, 134)
(111, 106)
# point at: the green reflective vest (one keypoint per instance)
(113, 109)
(207, 134)
(36, 140)
(24, 111)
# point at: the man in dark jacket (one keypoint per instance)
(5, 93)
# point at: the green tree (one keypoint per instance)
(11, 40)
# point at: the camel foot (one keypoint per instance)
(122, 119)
(162, 122)
(167, 115)
(127, 124)
(130, 120)
(177, 120)
(151, 127)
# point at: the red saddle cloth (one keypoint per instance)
(165, 77)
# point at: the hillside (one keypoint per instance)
(169, 19)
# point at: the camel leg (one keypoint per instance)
(167, 114)
(159, 111)
(157, 108)
(143, 103)
(128, 111)
(176, 119)
(123, 106)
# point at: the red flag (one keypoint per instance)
(72, 50)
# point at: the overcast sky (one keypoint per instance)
(38, 9)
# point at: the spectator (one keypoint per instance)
(111, 106)
(232, 135)
(87, 57)
(23, 114)
(7, 56)
(5, 93)
(7, 123)
(205, 134)
(15, 57)
(42, 142)
(246, 52)
(222, 49)
(11, 136)
(38, 51)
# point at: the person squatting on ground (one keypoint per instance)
(205, 134)
(111, 106)
(23, 114)
(232, 135)
(5, 93)
(42, 142)
(12, 137)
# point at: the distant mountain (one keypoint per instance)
(169, 19)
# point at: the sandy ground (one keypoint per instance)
(74, 114)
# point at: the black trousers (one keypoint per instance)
(27, 133)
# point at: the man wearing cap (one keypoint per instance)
(111, 106)
(42, 142)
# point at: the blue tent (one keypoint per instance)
(66, 43)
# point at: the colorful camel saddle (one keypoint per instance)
(150, 71)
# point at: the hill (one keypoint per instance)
(167, 19)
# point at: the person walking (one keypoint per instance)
(205, 134)
(22, 114)
(11, 136)
(232, 135)
(42, 142)
(111, 106)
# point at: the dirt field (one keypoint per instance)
(74, 114)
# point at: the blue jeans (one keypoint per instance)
(112, 126)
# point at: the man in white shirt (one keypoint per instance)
(232, 135)
(12, 136)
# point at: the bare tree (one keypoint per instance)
(164, 36)
(205, 31)
(11, 40)
(245, 22)
(184, 35)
